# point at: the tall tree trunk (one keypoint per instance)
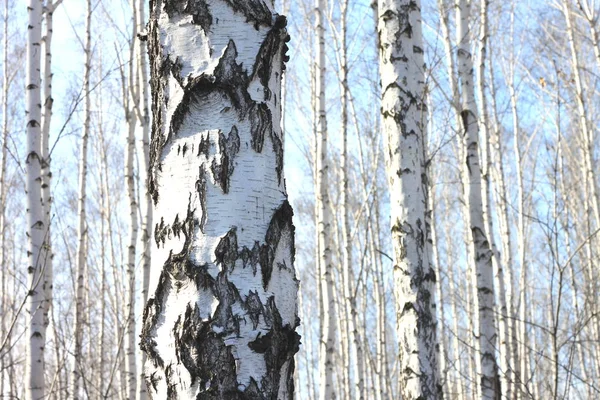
(349, 307)
(144, 122)
(505, 351)
(46, 171)
(4, 309)
(36, 228)
(404, 109)
(131, 112)
(328, 317)
(221, 321)
(81, 207)
(484, 326)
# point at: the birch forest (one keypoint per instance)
(300, 199)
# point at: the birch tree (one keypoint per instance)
(404, 110)
(222, 316)
(325, 267)
(81, 214)
(484, 327)
(36, 227)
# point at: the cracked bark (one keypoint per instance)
(220, 321)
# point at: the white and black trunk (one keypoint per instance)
(404, 113)
(221, 317)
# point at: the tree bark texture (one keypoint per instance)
(220, 321)
(404, 111)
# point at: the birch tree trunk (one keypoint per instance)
(328, 315)
(46, 171)
(484, 326)
(505, 373)
(81, 207)
(131, 101)
(404, 110)
(221, 321)
(36, 228)
(4, 309)
(144, 123)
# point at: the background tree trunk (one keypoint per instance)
(404, 112)
(36, 228)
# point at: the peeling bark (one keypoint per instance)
(221, 321)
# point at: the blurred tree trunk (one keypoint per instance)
(81, 213)
(36, 227)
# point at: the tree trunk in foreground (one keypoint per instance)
(404, 120)
(36, 229)
(221, 318)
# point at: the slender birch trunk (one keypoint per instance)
(221, 321)
(484, 326)
(505, 373)
(4, 309)
(506, 257)
(46, 170)
(81, 212)
(36, 228)
(327, 340)
(146, 226)
(345, 211)
(404, 120)
(131, 100)
(442, 344)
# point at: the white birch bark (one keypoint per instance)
(81, 213)
(505, 350)
(131, 112)
(506, 256)
(36, 229)
(328, 317)
(484, 326)
(350, 311)
(221, 321)
(146, 226)
(404, 121)
(46, 171)
(4, 309)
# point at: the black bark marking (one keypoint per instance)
(280, 224)
(254, 307)
(201, 189)
(261, 123)
(271, 47)
(160, 232)
(251, 257)
(255, 11)
(178, 268)
(278, 346)
(228, 148)
(198, 9)
(226, 252)
(204, 146)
